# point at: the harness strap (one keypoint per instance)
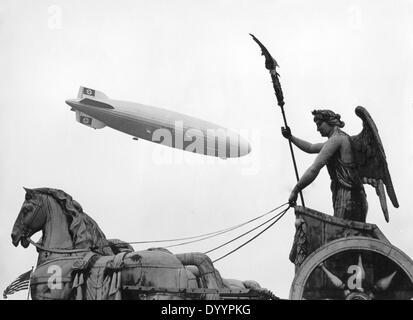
(82, 264)
(55, 250)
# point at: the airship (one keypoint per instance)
(169, 128)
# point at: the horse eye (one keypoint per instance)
(25, 210)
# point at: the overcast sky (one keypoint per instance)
(197, 58)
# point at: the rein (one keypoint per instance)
(55, 250)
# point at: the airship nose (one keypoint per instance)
(237, 146)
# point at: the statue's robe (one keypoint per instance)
(349, 197)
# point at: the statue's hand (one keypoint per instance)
(286, 132)
(293, 198)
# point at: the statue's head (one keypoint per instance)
(326, 120)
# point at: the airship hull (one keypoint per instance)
(158, 125)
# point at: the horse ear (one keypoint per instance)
(29, 191)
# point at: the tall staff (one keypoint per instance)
(271, 65)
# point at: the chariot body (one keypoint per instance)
(342, 259)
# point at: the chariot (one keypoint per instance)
(342, 259)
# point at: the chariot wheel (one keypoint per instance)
(354, 268)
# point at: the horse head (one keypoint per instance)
(62, 220)
(30, 220)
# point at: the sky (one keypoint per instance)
(197, 58)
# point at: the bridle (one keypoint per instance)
(27, 230)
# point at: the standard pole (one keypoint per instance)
(271, 65)
(292, 155)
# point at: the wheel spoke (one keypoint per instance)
(384, 283)
(336, 281)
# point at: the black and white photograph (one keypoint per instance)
(216, 150)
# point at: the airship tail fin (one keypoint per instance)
(90, 93)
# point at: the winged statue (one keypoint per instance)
(351, 161)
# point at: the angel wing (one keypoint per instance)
(371, 160)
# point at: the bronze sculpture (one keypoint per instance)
(91, 267)
(351, 162)
(335, 257)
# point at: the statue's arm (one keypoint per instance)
(307, 146)
(326, 152)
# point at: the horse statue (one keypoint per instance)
(76, 261)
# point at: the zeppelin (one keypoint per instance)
(94, 109)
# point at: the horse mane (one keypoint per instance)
(84, 231)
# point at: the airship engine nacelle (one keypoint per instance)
(87, 120)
